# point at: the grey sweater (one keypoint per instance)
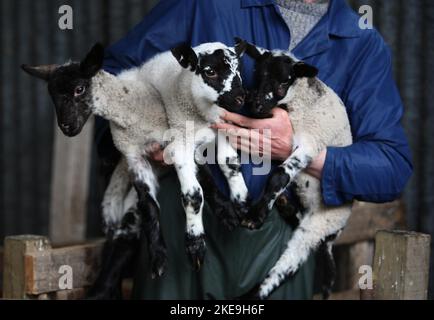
(301, 17)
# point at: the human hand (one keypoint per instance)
(156, 154)
(278, 141)
(315, 168)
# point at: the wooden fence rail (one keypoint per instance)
(32, 267)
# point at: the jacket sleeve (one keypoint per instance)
(166, 26)
(378, 165)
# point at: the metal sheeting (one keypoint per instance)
(408, 28)
(30, 34)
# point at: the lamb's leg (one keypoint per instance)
(221, 206)
(118, 252)
(290, 209)
(229, 162)
(314, 228)
(279, 180)
(113, 201)
(145, 183)
(328, 263)
(192, 201)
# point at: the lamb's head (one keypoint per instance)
(275, 72)
(216, 73)
(69, 86)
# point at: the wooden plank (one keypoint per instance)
(342, 295)
(14, 273)
(349, 259)
(42, 268)
(74, 294)
(70, 183)
(368, 218)
(401, 266)
(1, 273)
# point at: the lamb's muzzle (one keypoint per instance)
(319, 120)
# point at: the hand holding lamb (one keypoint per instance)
(319, 120)
(173, 88)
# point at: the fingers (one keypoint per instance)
(158, 156)
(155, 147)
(243, 121)
(255, 144)
(156, 153)
(278, 112)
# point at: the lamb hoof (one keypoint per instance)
(230, 223)
(256, 217)
(158, 263)
(227, 216)
(242, 209)
(252, 224)
(196, 247)
(326, 292)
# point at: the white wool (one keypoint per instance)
(319, 120)
(142, 104)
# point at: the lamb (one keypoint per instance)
(141, 104)
(319, 120)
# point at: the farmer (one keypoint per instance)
(355, 63)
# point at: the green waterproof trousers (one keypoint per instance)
(235, 260)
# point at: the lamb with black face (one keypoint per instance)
(69, 86)
(274, 74)
(219, 69)
(320, 120)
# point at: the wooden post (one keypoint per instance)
(43, 267)
(369, 218)
(14, 272)
(69, 186)
(349, 258)
(401, 266)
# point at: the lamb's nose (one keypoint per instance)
(239, 100)
(65, 126)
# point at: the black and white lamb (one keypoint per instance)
(319, 120)
(171, 89)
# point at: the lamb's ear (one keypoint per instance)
(43, 72)
(304, 70)
(253, 51)
(240, 46)
(93, 61)
(186, 56)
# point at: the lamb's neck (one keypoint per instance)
(209, 111)
(204, 106)
(302, 93)
(109, 98)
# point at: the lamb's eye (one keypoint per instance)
(210, 73)
(286, 82)
(79, 90)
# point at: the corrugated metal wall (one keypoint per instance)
(408, 27)
(29, 34)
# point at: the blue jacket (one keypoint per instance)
(355, 63)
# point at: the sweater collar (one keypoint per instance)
(340, 20)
